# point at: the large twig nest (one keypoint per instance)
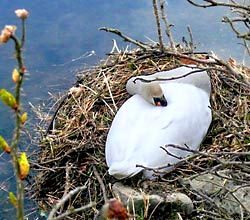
(68, 154)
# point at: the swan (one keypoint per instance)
(156, 115)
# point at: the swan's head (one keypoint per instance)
(152, 92)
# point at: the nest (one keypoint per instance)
(68, 155)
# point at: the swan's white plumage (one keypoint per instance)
(139, 129)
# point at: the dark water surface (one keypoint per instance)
(63, 36)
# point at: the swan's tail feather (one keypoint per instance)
(121, 170)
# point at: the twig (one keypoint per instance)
(225, 163)
(158, 24)
(167, 25)
(43, 167)
(170, 154)
(70, 212)
(212, 3)
(115, 47)
(110, 92)
(191, 43)
(64, 199)
(101, 184)
(166, 79)
(245, 36)
(173, 166)
(67, 181)
(126, 38)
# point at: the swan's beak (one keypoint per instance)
(160, 101)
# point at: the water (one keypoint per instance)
(61, 34)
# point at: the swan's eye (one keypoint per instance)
(160, 101)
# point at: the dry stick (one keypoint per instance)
(64, 199)
(174, 166)
(208, 155)
(166, 79)
(158, 25)
(62, 216)
(196, 153)
(191, 43)
(168, 26)
(214, 3)
(245, 36)
(115, 47)
(170, 154)
(101, 184)
(67, 181)
(42, 167)
(110, 92)
(185, 56)
(126, 38)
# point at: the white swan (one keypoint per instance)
(140, 128)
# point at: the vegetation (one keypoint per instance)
(19, 159)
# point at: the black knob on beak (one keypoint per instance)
(160, 101)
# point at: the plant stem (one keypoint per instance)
(16, 136)
(23, 33)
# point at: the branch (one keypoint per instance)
(168, 26)
(245, 36)
(166, 79)
(126, 38)
(212, 3)
(70, 212)
(158, 25)
(225, 163)
(101, 184)
(191, 43)
(64, 199)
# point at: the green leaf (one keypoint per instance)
(8, 99)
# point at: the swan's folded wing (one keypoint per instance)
(126, 130)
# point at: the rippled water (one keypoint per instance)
(62, 34)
